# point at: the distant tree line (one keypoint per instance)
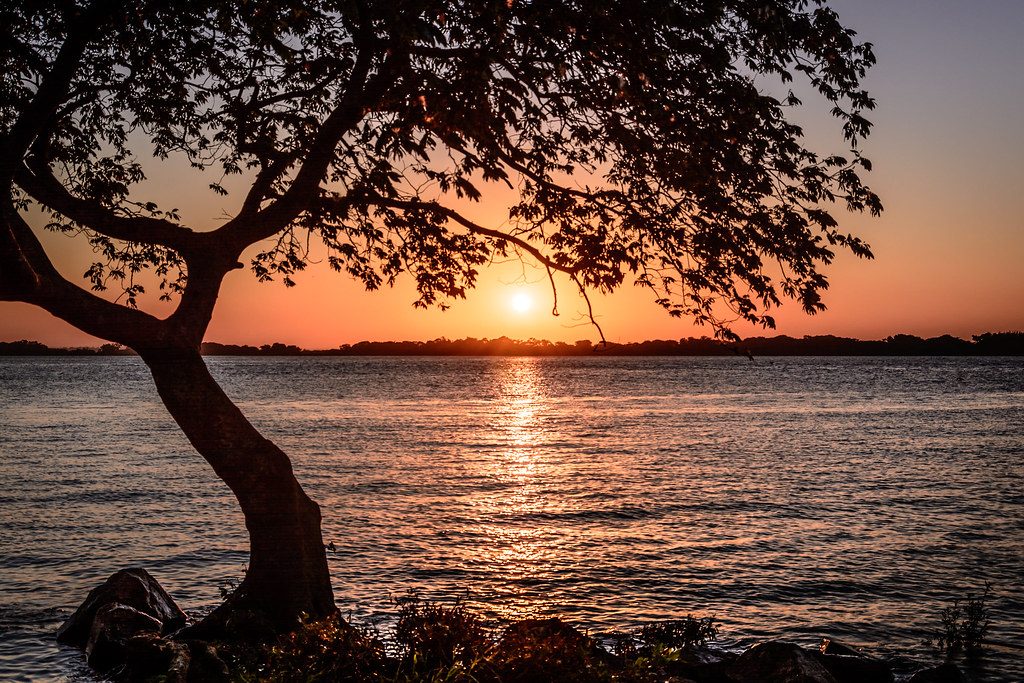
(988, 344)
(34, 348)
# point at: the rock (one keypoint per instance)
(205, 666)
(830, 646)
(706, 656)
(150, 657)
(133, 588)
(944, 673)
(703, 665)
(777, 662)
(856, 669)
(112, 626)
(848, 664)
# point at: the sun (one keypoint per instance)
(521, 302)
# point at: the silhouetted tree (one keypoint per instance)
(640, 138)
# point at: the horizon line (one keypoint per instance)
(987, 343)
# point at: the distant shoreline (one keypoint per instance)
(988, 344)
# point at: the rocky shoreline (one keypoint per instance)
(130, 629)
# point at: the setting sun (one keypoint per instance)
(521, 302)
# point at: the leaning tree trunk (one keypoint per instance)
(287, 578)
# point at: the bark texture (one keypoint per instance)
(288, 576)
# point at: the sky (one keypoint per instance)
(948, 153)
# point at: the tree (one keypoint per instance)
(641, 139)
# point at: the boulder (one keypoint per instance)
(112, 626)
(848, 664)
(777, 662)
(856, 669)
(830, 646)
(702, 665)
(148, 657)
(706, 656)
(944, 673)
(133, 588)
(205, 665)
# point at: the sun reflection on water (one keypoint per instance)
(520, 548)
(519, 420)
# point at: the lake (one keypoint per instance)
(788, 497)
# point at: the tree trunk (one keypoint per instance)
(287, 578)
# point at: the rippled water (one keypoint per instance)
(788, 497)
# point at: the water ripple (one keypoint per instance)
(789, 497)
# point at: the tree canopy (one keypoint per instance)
(643, 140)
(639, 140)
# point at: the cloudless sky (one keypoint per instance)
(948, 152)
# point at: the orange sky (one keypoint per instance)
(948, 150)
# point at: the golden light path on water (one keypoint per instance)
(518, 423)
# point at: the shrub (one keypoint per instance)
(965, 623)
(686, 633)
(436, 643)
(327, 650)
(662, 650)
(441, 643)
(542, 650)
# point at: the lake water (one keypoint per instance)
(789, 497)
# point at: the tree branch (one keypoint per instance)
(40, 184)
(471, 226)
(477, 229)
(37, 116)
(261, 185)
(27, 275)
(590, 308)
(192, 316)
(246, 228)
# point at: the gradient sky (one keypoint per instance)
(948, 151)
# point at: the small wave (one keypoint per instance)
(623, 513)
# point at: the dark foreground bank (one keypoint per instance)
(130, 629)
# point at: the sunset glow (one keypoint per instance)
(942, 266)
(521, 302)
